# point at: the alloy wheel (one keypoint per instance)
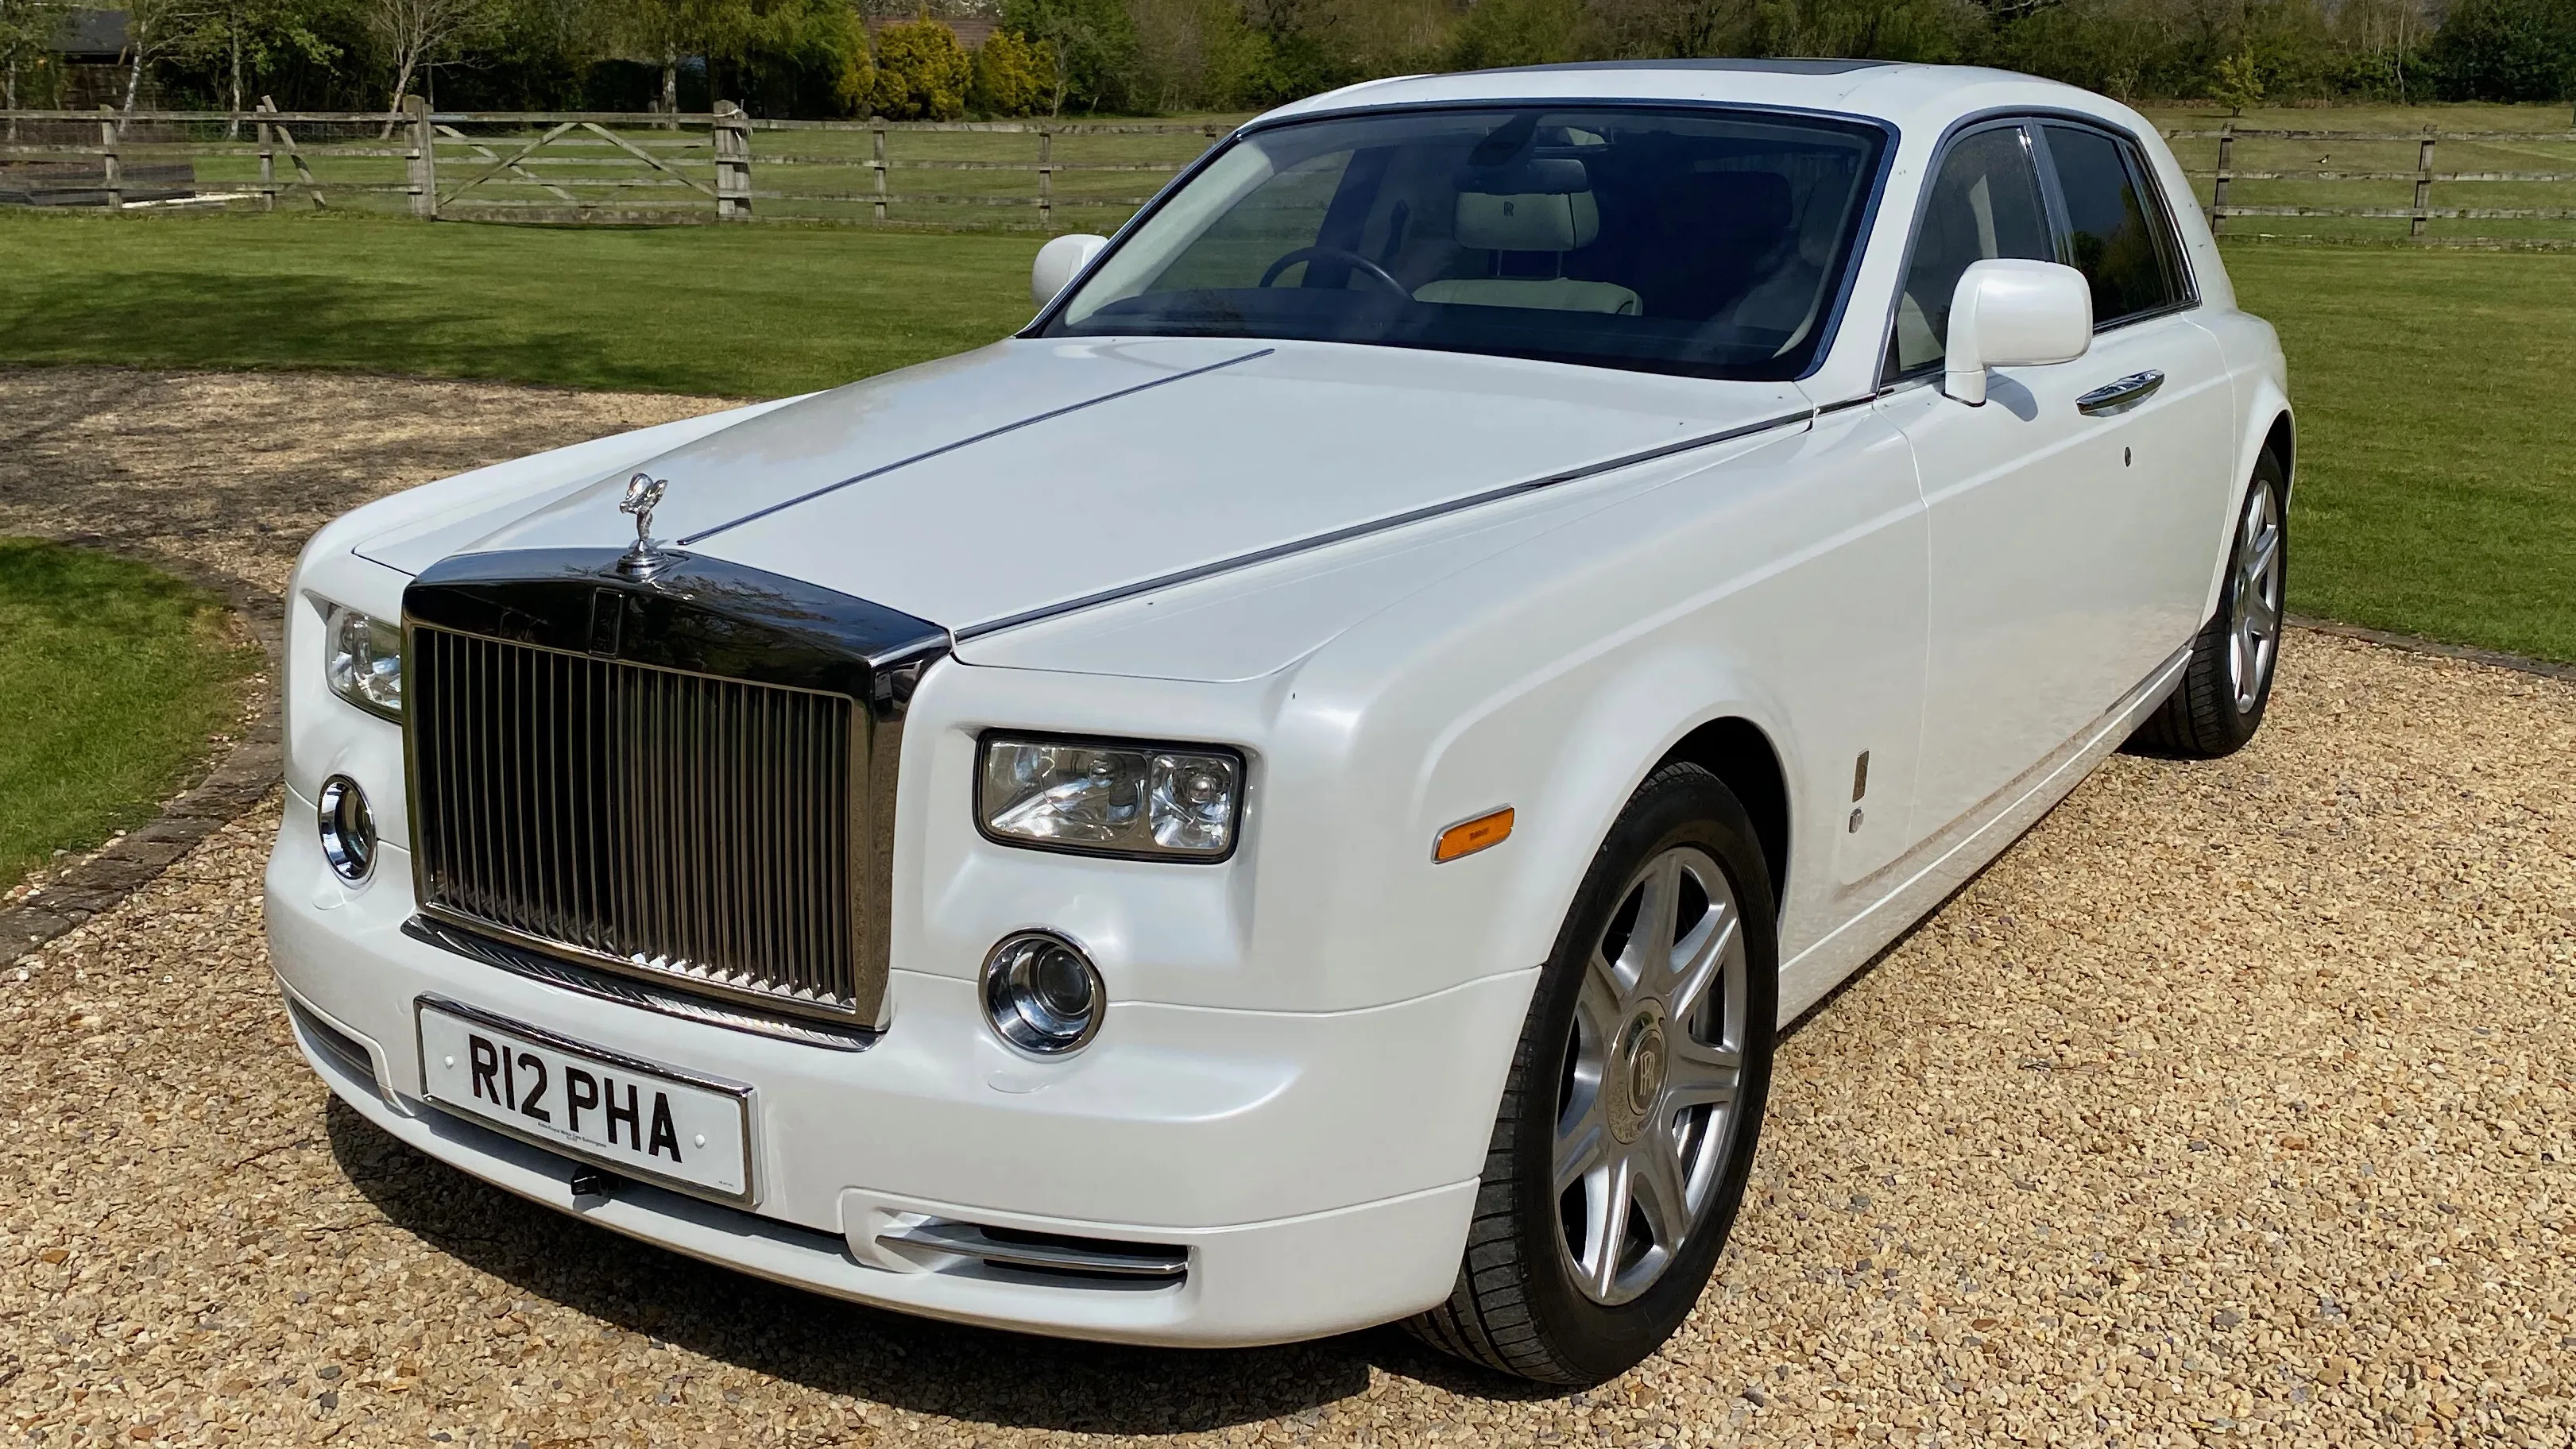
(2254, 620)
(1646, 1110)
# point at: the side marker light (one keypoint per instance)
(1469, 836)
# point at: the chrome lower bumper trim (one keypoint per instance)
(632, 991)
(1043, 1252)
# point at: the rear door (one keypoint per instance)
(2161, 397)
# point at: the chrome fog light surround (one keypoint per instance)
(348, 828)
(1042, 994)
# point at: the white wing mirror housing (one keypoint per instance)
(1059, 262)
(2014, 314)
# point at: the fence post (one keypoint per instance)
(2226, 172)
(1046, 177)
(880, 165)
(2423, 184)
(112, 166)
(267, 161)
(423, 159)
(733, 162)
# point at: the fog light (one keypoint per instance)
(348, 829)
(1042, 993)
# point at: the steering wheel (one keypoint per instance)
(1368, 268)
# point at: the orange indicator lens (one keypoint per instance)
(1469, 836)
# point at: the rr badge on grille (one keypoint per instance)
(643, 495)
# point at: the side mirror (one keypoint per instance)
(1059, 262)
(2014, 314)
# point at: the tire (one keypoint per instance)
(2219, 702)
(1542, 1291)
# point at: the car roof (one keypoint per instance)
(1910, 97)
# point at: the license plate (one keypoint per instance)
(632, 1117)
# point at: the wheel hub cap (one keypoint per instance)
(1636, 1075)
(2254, 612)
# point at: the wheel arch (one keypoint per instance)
(1741, 756)
(2281, 440)
(1569, 755)
(2268, 427)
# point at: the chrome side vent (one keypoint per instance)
(1056, 1255)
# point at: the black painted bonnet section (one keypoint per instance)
(699, 615)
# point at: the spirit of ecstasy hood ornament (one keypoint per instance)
(643, 495)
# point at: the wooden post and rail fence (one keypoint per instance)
(654, 167)
(2418, 216)
(548, 166)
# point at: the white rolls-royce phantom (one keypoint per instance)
(1296, 791)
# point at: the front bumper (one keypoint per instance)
(1318, 1169)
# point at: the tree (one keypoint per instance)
(2506, 50)
(1920, 30)
(1010, 75)
(415, 33)
(2238, 83)
(660, 32)
(922, 72)
(236, 39)
(819, 40)
(1521, 32)
(1647, 29)
(1090, 46)
(25, 27)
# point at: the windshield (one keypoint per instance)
(1704, 242)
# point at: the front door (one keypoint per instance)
(2057, 512)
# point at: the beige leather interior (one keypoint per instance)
(1531, 222)
(1557, 222)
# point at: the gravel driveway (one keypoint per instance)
(2234, 1101)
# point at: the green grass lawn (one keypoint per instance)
(756, 311)
(112, 677)
(2434, 494)
(2436, 489)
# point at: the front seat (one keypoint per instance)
(1546, 222)
(1712, 233)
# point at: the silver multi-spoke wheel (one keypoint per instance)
(1647, 1109)
(1625, 1134)
(2218, 703)
(2254, 617)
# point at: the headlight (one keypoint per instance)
(363, 660)
(1108, 798)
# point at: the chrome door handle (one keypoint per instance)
(2120, 395)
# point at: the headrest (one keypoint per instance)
(1530, 221)
(1740, 203)
(1557, 174)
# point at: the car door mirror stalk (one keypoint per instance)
(2013, 313)
(1059, 262)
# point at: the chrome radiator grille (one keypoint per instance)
(653, 820)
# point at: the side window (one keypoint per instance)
(2112, 228)
(1984, 203)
